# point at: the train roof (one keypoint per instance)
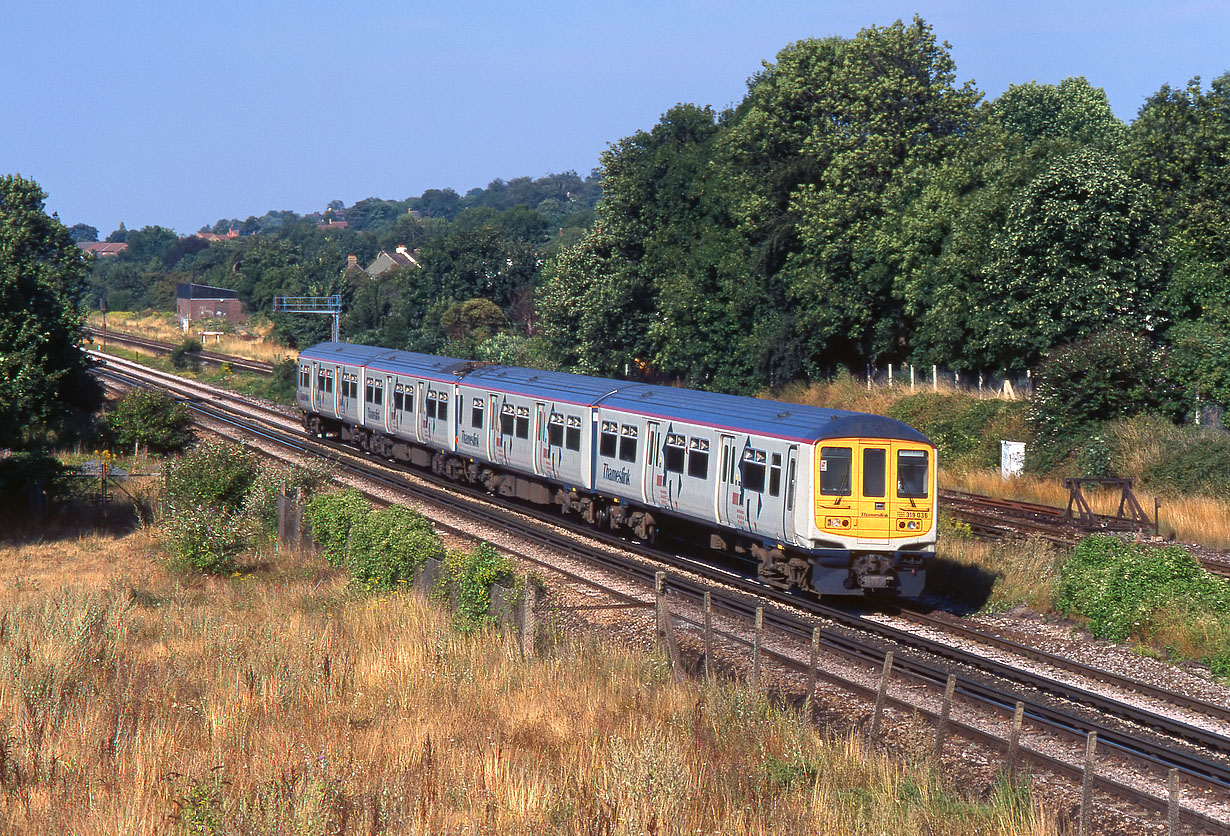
(733, 412)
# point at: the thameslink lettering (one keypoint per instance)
(467, 438)
(623, 475)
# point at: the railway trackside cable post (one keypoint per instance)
(1014, 740)
(666, 630)
(809, 705)
(941, 727)
(709, 637)
(1091, 748)
(529, 619)
(878, 712)
(756, 648)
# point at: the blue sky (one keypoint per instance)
(162, 112)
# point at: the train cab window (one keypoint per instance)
(912, 480)
(508, 419)
(523, 422)
(555, 430)
(752, 471)
(476, 413)
(572, 436)
(675, 446)
(609, 439)
(698, 458)
(627, 443)
(874, 460)
(835, 471)
(775, 475)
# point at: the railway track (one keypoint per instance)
(209, 358)
(1152, 742)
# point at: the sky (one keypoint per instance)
(161, 112)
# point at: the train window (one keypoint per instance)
(523, 422)
(555, 430)
(408, 399)
(368, 391)
(305, 377)
(790, 487)
(674, 453)
(609, 439)
(698, 458)
(507, 419)
(329, 382)
(399, 402)
(775, 475)
(476, 413)
(874, 460)
(835, 471)
(752, 471)
(912, 473)
(572, 438)
(320, 382)
(431, 404)
(442, 407)
(627, 443)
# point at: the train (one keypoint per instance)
(827, 501)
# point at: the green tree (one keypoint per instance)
(45, 388)
(83, 233)
(151, 418)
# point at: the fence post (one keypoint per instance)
(1014, 739)
(283, 514)
(911, 376)
(809, 704)
(1091, 747)
(890, 375)
(529, 619)
(1172, 806)
(756, 648)
(941, 728)
(935, 378)
(708, 637)
(666, 630)
(880, 694)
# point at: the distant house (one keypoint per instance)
(213, 236)
(400, 257)
(101, 249)
(332, 224)
(200, 301)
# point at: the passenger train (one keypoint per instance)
(828, 501)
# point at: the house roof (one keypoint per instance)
(101, 248)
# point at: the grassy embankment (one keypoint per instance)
(249, 341)
(279, 702)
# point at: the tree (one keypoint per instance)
(83, 233)
(152, 418)
(45, 387)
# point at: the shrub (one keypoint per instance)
(185, 355)
(206, 540)
(467, 581)
(272, 481)
(1202, 466)
(386, 547)
(149, 417)
(213, 474)
(332, 517)
(1131, 590)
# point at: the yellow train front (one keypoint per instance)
(874, 503)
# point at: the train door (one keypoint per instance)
(787, 475)
(542, 450)
(493, 423)
(333, 384)
(730, 490)
(872, 495)
(420, 423)
(315, 387)
(388, 404)
(652, 478)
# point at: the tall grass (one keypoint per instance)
(252, 341)
(278, 703)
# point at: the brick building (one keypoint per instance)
(200, 301)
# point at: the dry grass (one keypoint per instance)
(138, 702)
(973, 574)
(847, 392)
(250, 341)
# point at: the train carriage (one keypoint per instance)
(831, 501)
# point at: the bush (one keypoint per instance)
(387, 546)
(467, 581)
(149, 417)
(1202, 466)
(272, 481)
(184, 356)
(332, 517)
(206, 540)
(213, 474)
(1155, 594)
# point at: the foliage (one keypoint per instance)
(205, 539)
(1201, 466)
(1132, 590)
(213, 475)
(149, 417)
(272, 481)
(333, 517)
(45, 388)
(22, 474)
(186, 355)
(388, 545)
(467, 581)
(1113, 374)
(963, 429)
